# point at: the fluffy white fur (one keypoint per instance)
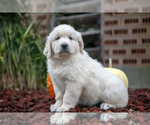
(76, 77)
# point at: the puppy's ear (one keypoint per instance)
(47, 49)
(80, 40)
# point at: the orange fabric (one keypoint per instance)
(50, 86)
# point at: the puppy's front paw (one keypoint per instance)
(62, 109)
(106, 106)
(53, 107)
(56, 105)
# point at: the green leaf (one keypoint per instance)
(2, 60)
(30, 26)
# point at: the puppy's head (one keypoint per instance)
(63, 41)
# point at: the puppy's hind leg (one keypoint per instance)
(115, 96)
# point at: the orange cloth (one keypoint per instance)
(50, 86)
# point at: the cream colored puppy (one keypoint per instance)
(76, 77)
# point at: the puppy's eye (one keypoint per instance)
(70, 38)
(58, 38)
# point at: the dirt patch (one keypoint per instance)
(40, 101)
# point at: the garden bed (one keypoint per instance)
(40, 101)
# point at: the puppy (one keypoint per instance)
(76, 77)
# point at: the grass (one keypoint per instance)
(22, 63)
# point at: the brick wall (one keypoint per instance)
(126, 39)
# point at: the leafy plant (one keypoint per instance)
(22, 63)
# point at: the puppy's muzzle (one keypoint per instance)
(64, 48)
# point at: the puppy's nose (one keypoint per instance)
(64, 45)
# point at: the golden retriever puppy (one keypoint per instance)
(76, 77)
